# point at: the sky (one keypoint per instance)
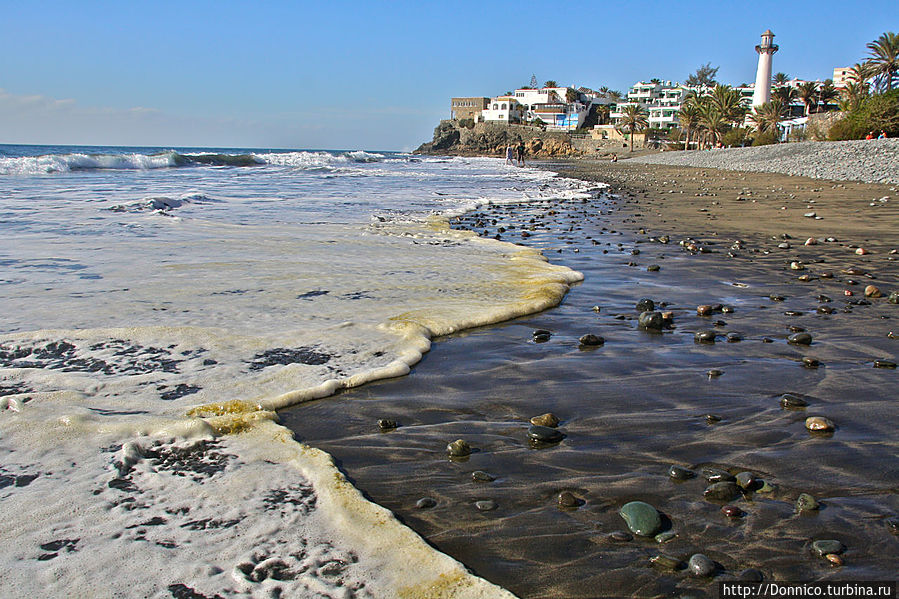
(370, 75)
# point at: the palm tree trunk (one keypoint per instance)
(631, 148)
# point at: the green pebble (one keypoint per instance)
(806, 503)
(641, 518)
(664, 537)
(826, 546)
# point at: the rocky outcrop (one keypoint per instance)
(491, 139)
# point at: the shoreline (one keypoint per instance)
(644, 401)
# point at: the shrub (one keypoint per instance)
(766, 138)
(466, 123)
(738, 136)
(877, 113)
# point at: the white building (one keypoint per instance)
(661, 99)
(841, 77)
(551, 105)
(502, 109)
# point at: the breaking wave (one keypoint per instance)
(66, 163)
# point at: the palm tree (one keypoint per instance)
(726, 101)
(571, 95)
(827, 93)
(633, 117)
(780, 79)
(602, 113)
(852, 96)
(808, 93)
(767, 116)
(614, 95)
(712, 120)
(885, 58)
(785, 94)
(551, 83)
(688, 116)
(861, 72)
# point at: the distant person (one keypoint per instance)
(509, 154)
(614, 157)
(521, 153)
(870, 135)
(883, 134)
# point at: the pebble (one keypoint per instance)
(797, 266)
(717, 475)
(425, 503)
(751, 575)
(641, 518)
(800, 339)
(704, 310)
(646, 305)
(549, 420)
(884, 364)
(591, 340)
(544, 434)
(666, 562)
(834, 559)
(714, 373)
(386, 424)
(727, 309)
(723, 491)
(700, 565)
(566, 499)
(734, 337)
(479, 476)
(680, 473)
(824, 310)
(810, 362)
(458, 449)
(651, 320)
(788, 401)
(653, 268)
(827, 546)
(819, 424)
(806, 503)
(872, 291)
(704, 336)
(731, 511)
(541, 335)
(894, 297)
(619, 536)
(485, 505)
(748, 481)
(665, 537)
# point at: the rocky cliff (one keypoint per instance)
(491, 139)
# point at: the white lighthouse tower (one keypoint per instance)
(766, 49)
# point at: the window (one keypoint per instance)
(504, 106)
(496, 107)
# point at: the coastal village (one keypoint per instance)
(557, 120)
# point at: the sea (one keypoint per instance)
(159, 305)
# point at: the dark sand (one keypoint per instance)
(644, 401)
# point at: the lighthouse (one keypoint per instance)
(765, 50)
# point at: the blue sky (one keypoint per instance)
(371, 75)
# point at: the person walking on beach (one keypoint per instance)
(521, 153)
(883, 134)
(509, 154)
(870, 135)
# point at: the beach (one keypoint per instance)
(764, 280)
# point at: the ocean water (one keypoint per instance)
(160, 304)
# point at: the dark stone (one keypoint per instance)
(800, 339)
(479, 476)
(425, 503)
(809, 362)
(386, 424)
(486, 505)
(826, 546)
(458, 448)
(641, 518)
(544, 434)
(717, 475)
(651, 320)
(591, 340)
(704, 336)
(700, 565)
(666, 562)
(806, 503)
(566, 499)
(680, 473)
(731, 511)
(646, 305)
(723, 491)
(751, 575)
(541, 335)
(884, 364)
(748, 481)
(788, 401)
(734, 337)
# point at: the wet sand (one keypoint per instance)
(644, 401)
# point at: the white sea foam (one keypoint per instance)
(318, 159)
(64, 163)
(142, 364)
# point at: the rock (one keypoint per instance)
(544, 434)
(425, 503)
(714, 373)
(549, 420)
(862, 251)
(597, 309)
(704, 310)
(704, 336)
(731, 511)
(824, 310)
(826, 546)
(797, 266)
(819, 424)
(717, 475)
(619, 536)
(479, 476)
(565, 499)
(894, 297)
(806, 503)
(385, 424)
(700, 565)
(834, 559)
(641, 518)
(788, 401)
(809, 362)
(811, 241)
(800, 339)
(646, 305)
(651, 320)
(485, 505)
(712, 418)
(666, 562)
(723, 491)
(751, 575)
(748, 481)
(458, 449)
(872, 291)
(680, 473)
(591, 340)
(653, 268)
(884, 364)
(727, 309)
(541, 335)
(664, 537)
(734, 337)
